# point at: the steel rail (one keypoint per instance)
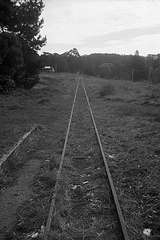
(52, 206)
(119, 211)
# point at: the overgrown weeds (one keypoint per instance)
(16, 160)
(106, 90)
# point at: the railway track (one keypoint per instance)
(84, 204)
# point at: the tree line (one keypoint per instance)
(20, 39)
(113, 66)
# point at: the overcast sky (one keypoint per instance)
(106, 26)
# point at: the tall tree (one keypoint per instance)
(138, 69)
(6, 8)
(20, 25)
(11, 57)
(26, 23)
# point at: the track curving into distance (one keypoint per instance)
(84, 204)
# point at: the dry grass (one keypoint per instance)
(24, 108)
(9, 170)
(130, 130)
(127, 115)
(48, 107)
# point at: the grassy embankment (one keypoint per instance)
(128, 118)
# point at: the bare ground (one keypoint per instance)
(12, 197)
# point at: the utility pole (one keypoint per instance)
(150, 71)
(150, 64)
(132, 77)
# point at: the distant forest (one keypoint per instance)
(110, 66)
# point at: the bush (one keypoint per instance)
(106, 70)
(108, 89)
(156, 75)
(6, 84)
(11, 55)
(30, 81)
(19, 77)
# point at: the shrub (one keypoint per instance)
(156, 75)
(30, 81)
(11, 56)
(106, 90)
(6, 84)
(19, 77)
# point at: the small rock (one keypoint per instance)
(111, 156)
(147, 232)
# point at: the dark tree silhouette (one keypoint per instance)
(26, 23)
(6, 11)
(20, 25)
(10, 54)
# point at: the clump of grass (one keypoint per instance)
(43, 101)
(15, 107)
(127, 110)
(47, 180)
(6, 180)
(106, 90)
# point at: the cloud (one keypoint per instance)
(102, 25)
(122, 35)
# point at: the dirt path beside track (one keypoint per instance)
(12, 197)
